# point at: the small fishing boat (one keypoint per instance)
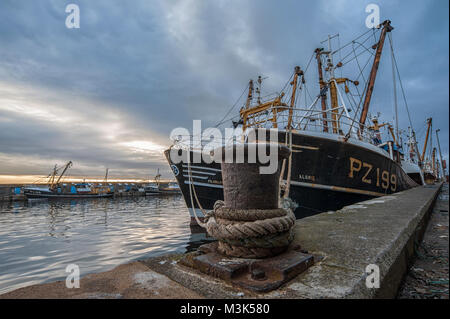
(428, 161)
(151, 189)
(55, 189)
(171, 188)
(159, 188)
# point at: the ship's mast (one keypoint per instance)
(66, 167)
(258, 89)
(373, 73)
(333, 88)
(433, 160)
(416, 148)
(250, 94)
(411, 148)
(440, 153)
(438, 170)
(429, 121)
(334, 106)
(297, 73)
(52, 178)
(157, 178)
(332, 83)
(323, 88)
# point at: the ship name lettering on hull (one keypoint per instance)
(307, 177)
(212, 181)
(372, 175)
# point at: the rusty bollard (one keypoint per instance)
(244, 186)
(251, 202)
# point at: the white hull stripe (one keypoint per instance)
(194, 176)
(201, 167)
(294, 183)
(337, 188)
(313, 148)
(204, 173)
(204, 184)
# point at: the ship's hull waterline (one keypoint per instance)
(50, 195)
(327, 173)
(163, 193)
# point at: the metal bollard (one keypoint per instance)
(243, 185)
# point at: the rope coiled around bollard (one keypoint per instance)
(253, 233)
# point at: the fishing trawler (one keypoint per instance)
(429, 163)
(55, 189)
(158, 188)
(337, 159)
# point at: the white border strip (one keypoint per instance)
(337, 188)
(194, 176)
(204, 184)
(204, 173)
(200, 167)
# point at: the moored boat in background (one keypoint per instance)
(56, 189)
(160, 188)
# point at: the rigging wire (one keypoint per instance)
(361, 95)
(359, 67)
(356, 56)
(340, 52)
(395, 91)
(309, 62)
(400, 80)
(234, 105)
(362, 71)
(362, 45)
(352, 41)
(288, 81)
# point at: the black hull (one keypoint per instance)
(326, 175)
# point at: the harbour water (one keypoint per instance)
(40, 238)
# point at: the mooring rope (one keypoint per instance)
(250, 233)
(288, 180)
(192, 191)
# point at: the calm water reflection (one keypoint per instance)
(38, 239)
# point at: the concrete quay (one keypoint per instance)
(381, 232)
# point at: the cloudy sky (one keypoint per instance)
(109, 93)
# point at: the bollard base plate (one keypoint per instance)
(259, 275)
